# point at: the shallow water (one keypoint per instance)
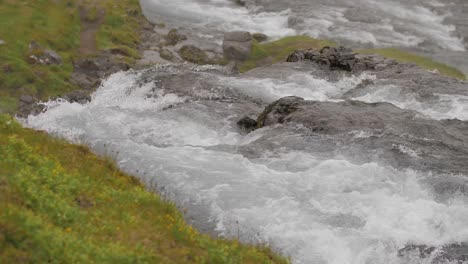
(318, 198)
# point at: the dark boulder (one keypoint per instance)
(247, 123)
(279, 111)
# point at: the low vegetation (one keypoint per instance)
(276, 51)
(421, 61)
(62, 204)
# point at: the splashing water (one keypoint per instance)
(316, 206)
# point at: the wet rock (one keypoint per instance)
(455, 253)
(259, 37)
(329, 58)
(29, 105)
(237, 45)
(173, 37)
(78, 96)
(247, 123)
(331, 117)
(39, 55)
(279, 111)
(193, 54)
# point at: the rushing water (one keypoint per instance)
(356, 196)
(318, 198)
(436, 28)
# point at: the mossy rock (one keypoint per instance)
(193, 54)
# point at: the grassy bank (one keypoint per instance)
(423, 62)
(57, 25)
(277, 51)
(62, 204)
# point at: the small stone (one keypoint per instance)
(2, 42)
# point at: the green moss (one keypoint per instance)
(276, 51)
(62, 204)
(423, 62)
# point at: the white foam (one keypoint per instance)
(444, 106)
(221, 15)
(313, 209)
(303, 85)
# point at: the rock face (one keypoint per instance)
(237, 45)
(39, 55)
(329, 58)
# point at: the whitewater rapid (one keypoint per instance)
(302, 193)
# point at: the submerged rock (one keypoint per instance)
(247, 123)
(237, 45)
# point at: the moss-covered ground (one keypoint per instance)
(62, 204)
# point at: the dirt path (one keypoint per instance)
(89, 28)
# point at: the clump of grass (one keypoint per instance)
(276, 51)
(421, 61)
(62, 204)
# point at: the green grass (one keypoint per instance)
(42, 21)
(423, 62)
(272, 52)
(62, 204)
(118, 29)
